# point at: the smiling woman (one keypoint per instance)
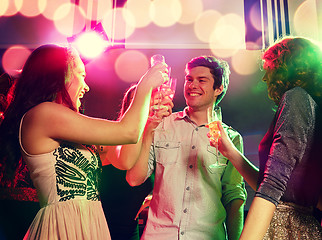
(42, 124)
(77, 86)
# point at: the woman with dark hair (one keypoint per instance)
(289, 181)
(43, 124)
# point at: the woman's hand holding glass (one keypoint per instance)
(216, 133)
(221, 140)
(161, 105)
(165, 92)
(167, 89)
(156, 76)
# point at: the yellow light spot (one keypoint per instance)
(165, 13)
(131, 65)
(191, 9)
(115, 24)
(202, 27)
(14, 58)
(140, 11)
(69, 19)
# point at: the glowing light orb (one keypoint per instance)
(115, 24)
(51, 7)
(10, 7)
(246, 62)
(131, 65)
(306, 26)
(229, 32)
(204, 25)
(14, 58)
(140, 11)
(191, 9)
(90, 44)
(69, 19)
(95, 10)
(32, 8)
(165, 13)
(222, 53)
(255, 18)
(4, 5)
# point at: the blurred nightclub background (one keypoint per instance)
(121, 36)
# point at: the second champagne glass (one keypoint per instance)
(214, 131)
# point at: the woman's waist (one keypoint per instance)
(58, 201)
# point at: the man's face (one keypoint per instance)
(198, 88)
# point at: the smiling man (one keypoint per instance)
(193, 197)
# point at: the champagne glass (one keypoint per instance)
(172, 83)
(167, 88)
(214, 132)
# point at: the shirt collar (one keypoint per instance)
(184, 114)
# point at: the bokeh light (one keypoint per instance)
(90, 44)
(228, 36)
(4, 4)
(11, 7)
(204, 25)
(106, 61)
(95, 10)
(14, 58)
(306, 26)
(131, 65)
(246, 62)
(115, 24)
(222, 53)
(255, 17)
(255, 45)
(52, 6)
(191, 9)
(69, 19)
(140, 11)
(32, 8)
(165, 13)
(229, 32)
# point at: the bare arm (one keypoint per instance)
(235, 218)
(258, 219)
(138, 173)
(47, 123)
(244, 167)
(240, 162)
(125, 156)
(136, 115)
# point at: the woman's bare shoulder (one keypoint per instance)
(47, 110)
(47, 107)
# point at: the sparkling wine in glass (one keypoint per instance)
(157, 58)
(168, 87)
(214, 131)
(172, 84)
